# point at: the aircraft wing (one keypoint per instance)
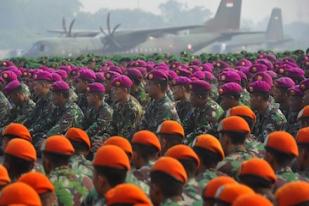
(76, 33)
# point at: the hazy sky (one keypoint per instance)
(257, 10)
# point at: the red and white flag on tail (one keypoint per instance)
(229, 3)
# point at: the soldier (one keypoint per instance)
(42, 185)
(108, 172)
(303, 146)
(210, 153)
(181, 93)
(19, 161)
(304, 86)
(191, 162)
(293, 193)
(127, 110)
(5, 105)
(252, 200)
(233, 133)
(98, 116)
(81, 143)
(67, 114)
(203, 118)
(268, 116)
(70, 187)
(303, 117)
(109, 76)
(168, 178)
(23, 105)
(160, 108)
(281, 150)
(14, 130)
(4, 177)
(259, 176)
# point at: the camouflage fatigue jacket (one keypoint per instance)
(5, 106)
(70, 188)
(19, 113)
(82, 102)
(143, 173)
(245, 98)
(132, 179)
(191, 192)
(93, 199)
(293, 125)
(206, 176)
(141, 95)
(231, 163)
(285, 175)
(170, 202)
(68, 116)
(157, 111)
(254, 146)
(97, 121)
(126, 118)
(81, 165)
(271, 120)
(183, 108)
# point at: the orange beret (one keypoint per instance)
(171, 127)
(39, 182)
(18, 131)
(21, 148)
(127, 194)
(147, 138)
(4, 176)
(230, 192)
(19, 194)
(209, 142)
(111, 156)
(182, 151)
(213, 185)
(258, 167)
(234, 124)
(78, 135)
(283, 142)
(293, 193)
(303, 113)
(302, 136)
(121, 142)
(252, 200)
(241, 110)
(171, 167)
(58, 144)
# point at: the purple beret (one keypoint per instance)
(244, 63)
(43, 75)
(99, 76)
(230, 88)
(134, 73)
(62, 73)
(200, 86)
(183, 72)
(143, 70)
(258, 68)
(259, 86)
(194, 68)
(8, 75)
(15, 70)
(304, 85)
(110, 75)
(87, 74)
(284, 83)
(96, 87)
(157, 75)
(242, 75)
(229, 76)
(56, 77)
(272, 74)
(181, 81)
(108, 63)
(196, 62)
(207, 67)
(203, 75)
(221, 64)
(263, 76)
(7, 63)
(295, 73)
(296, 91)
(161, 67)
(60, 86)
(265, 62)
(172, 75)
(74, 72)
(122, 81)
(66, 68)
(10, 87)
(116, 69)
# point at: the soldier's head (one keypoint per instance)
(16, 92)
(244, 112)
(295, 99)
(303, 117)
(111, 165)
(42, 83)
(170, 133)
(4, 177)
(157, 83)
(293, 193)
(121, 86)
(230, 94)
(259, 94)
(57, 151)
(42, 185)
(14, 130)
(95, 93)
(146, 147)
(281, 149)
(257, 174)
(79, 140)
(233, 132)
(252, 199)
(19, 161)
(186, 156)
(109, 76)
(303, 146)
(168, 177)
(181, 88)
(280, 88)
(199, 92)
(85, 77)
(122, 143)
(209, 150)
(61, 93)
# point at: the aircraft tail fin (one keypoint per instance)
(274, 30)
(227, 17)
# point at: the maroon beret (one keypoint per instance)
(296, 91)
(172, 75)
(99, 76)
(8, 75)
(259, 86)
(230, 88)
(207, 67)
(258, 68)
(295, 73)
(244, 63)
(122, 81)
(134, 73)
(284, 83)
(56, 77)
(87, 74)
(183, 72)
(116, 69)
(110, 75)
(96, 87)
(157, 75)
(62, 73)
(265, 62)
(304, 85)
(229, 76)
(11, 86)
(60, 86)
(264, 76)
(200, 86)
(181, 81)
(43, 75)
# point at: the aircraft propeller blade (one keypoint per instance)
(64, 26)
(70, 27)
(108, 23)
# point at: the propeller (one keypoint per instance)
(109, 39)
(67, 32)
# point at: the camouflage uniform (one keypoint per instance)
(141, 95)
(231, 164)
(69, 187)
(157, 111)
(126, 117)
(206, 176)
(93, 199)
(4, 106)
(191, 192)
(245, 98)
(68, 116)
(143, 173)
(183, 108)
(82, 102)
(254, 146)
(293, 125)
(170, 202)
(81, 165)
(304, 174)
(271, 120)
(132, 179)
(285, 175)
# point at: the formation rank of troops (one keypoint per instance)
(212, 130)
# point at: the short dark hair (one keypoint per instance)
(255, 181)
(57, 159)
(207, 157)
(237, 138)
(264, 95)
(163, 84)
(282, 158)
(79, 146)
(146, 151)
(168, 185)
(114, 176)
(174, 138)
(65, 94)
(17, 166)
(100, 95)
(304, 146)
(190, 166)
(233, 95)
